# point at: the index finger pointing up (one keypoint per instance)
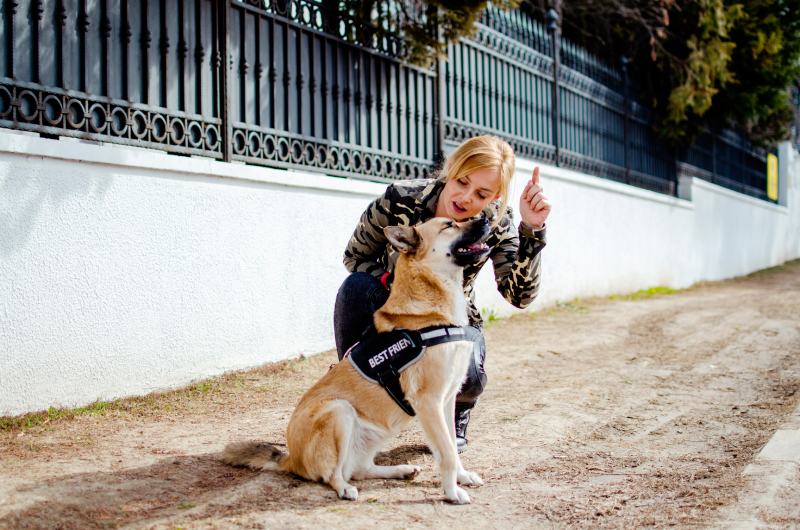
(535, 177)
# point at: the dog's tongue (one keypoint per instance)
(476, 247)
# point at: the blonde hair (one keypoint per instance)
(483, 152)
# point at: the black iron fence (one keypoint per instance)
(505, 81)
(725, 158)
(138, 72)
(308, 83)
(795, 94)
(316, 87)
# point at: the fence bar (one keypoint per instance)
(222, 65)
(555, 109)
(440, 105)
(625, 61)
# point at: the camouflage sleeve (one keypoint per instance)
(367, 245)
(517, 261)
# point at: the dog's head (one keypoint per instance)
(441, 241)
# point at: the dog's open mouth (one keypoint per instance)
(472, 244)
(475, 248)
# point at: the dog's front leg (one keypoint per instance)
(468, 478)
(432, 417)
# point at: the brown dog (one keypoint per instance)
(344, 419)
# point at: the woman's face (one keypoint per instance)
(467, 196)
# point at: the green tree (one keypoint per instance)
(764, 64)
(700, 63)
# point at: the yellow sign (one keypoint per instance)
(772, 177)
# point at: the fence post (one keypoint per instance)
(625, 61)
(553, 29)
(223, 33)
(439, 109)
(438, 117)
(330, 12)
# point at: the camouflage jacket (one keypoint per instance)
(514, 254)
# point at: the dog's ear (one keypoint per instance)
(404, 238)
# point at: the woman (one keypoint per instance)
(475, 176)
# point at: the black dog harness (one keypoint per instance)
(381, 357)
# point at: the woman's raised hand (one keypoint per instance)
(534, 207)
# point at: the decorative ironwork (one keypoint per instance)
(522, 28)
(581, 61)
(519, 27)
(26, 106)
(456, 132)
(378, 31)
(279, 149)
(590, 89)
(506, 48)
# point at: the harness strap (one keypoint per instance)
(440, 334)
(390, 381)
(381, 357)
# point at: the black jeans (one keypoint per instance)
(360, 296)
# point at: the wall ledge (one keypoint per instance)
(76, 150)
(752, 201)
(568, 175)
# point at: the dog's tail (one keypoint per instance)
(255, 455)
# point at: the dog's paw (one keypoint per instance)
(468, 478)
(348, 493)
(411, 472)
(457, 496)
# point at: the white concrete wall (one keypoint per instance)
(124, 271)
(790, 168)
(146, 273)
(608, 238)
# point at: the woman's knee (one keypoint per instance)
(475, 380)
(359, 296)
(354, 285)
(361, 289)
(473, 386)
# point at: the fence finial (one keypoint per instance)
(552, 20)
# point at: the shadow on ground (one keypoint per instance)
(182, 488)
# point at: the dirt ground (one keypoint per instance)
(612, 413)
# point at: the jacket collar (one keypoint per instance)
(426, 204)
